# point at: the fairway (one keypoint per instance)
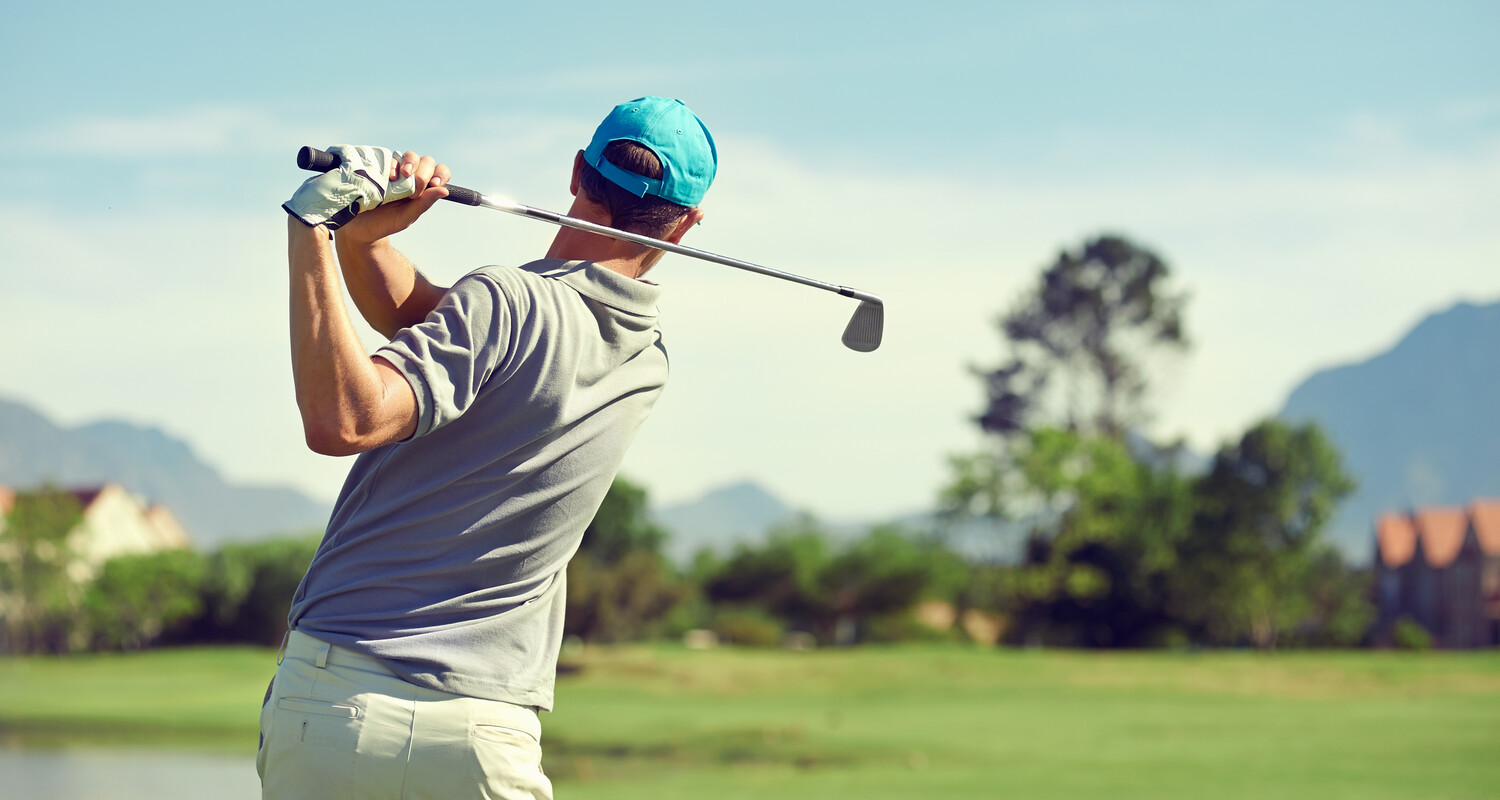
(900, 722)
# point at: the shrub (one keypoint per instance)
(138, 598)
(1408, 635)
(749, 627)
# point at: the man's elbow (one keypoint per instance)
(335, 437)
(346, 425)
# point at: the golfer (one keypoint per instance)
(425, 634)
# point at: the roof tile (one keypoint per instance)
(1395, 539)
(1485, 516)
(1441, 530)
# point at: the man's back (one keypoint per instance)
(446, 554)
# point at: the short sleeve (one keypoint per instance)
(448, 356)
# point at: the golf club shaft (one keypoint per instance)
(311, 158)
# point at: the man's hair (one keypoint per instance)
(647, 215)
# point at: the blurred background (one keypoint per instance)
(1176, 472)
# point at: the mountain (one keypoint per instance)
(745, 512)
(148, 462)
(1417, 425)
(720, 519)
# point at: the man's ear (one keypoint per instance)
(691, 218)
(578, 163)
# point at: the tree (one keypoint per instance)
(781, 577)
(41, 586)
(620, 587)
(621, 601)
(1254, 559)
(1078, 349)
(1093, 318)
(248, 592)
(863, 590)
(621, 525)
(1102, 546)
(876, 581)
(137, 598)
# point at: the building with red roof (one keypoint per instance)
(1439, 567)
(113, 522)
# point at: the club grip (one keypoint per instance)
(315, 160)
(459, 194)
(311, 158)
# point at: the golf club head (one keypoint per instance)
(865, 327)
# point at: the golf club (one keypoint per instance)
(863, 332)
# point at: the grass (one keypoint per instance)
(901, 722)
(196, 697)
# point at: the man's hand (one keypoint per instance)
(428, 180)
(366, 178)
(387, 289)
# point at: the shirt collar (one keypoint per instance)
(597, 283)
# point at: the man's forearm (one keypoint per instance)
(345, 398)
(387, 289)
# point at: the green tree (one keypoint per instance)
(1103, 543)
(781, 577)
(1078, 349)
(865, 589)
(620, 587)
(41, 582)
(622, 601)
(622, 525)
(249, 589)
(1254, 558)
(135, 599)
(1341, 613)
(1086, 331)
(877, 580)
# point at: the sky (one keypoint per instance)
(1319, 177)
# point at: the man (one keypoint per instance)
(426, 631)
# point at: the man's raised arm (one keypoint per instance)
(387, 289)
(349, 401)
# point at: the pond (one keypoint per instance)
(116, 773)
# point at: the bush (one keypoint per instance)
(905, 627)
(249, 590)
(138, 598)
(1408, 635)
(622, 601)
(780, 577)
(865, 589)
(40, 594)
(749, 627)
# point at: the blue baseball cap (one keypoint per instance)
(674, 133)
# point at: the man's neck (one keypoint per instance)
(626, 258)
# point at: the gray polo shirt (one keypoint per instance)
(445, 557)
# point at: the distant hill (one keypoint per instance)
(720, 519)
(148, 462)
(1418, 424)
(745, 512)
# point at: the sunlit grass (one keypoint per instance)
(201, 697)
(900, 722)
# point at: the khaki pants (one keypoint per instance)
(338, 725)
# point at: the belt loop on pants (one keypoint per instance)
(322, 660)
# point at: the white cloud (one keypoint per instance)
(194, 130)
(1290, 270)
(179, 319)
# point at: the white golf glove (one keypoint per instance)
(358, 184)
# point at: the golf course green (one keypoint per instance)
(910, 721)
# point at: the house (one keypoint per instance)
(1439, 567)
(115, 522)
